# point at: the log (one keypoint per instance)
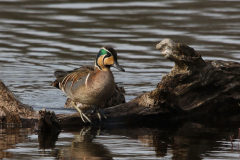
(193, 87)
(11, 109)
(198, 86)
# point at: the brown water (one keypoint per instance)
(40, 36)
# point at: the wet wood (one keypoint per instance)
(193, 87)
(47, 121)
(11, 109)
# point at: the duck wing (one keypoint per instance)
(63, 77)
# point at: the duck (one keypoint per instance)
(91, 85)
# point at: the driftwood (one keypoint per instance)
(11, 109)
(193, 87)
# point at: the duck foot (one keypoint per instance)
(99, 113)
(82, 115)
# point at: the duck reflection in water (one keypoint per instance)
(83, 146)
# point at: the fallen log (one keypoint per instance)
(11, 109)
(193, 87)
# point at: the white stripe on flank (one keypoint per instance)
(60, 86)
(87, 79)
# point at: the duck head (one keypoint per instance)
(106, 58)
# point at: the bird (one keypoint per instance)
(91, 85)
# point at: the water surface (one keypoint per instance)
(38, 37)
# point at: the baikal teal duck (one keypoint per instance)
(91, 85)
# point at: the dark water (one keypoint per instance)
(40, 36)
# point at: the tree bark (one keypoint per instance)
(11, 109)
(193, 87)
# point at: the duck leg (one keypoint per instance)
(98, 112)
(81, 113)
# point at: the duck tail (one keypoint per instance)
(55, 84)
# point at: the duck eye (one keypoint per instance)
(108, 55)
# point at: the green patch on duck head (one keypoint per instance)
(101, 52)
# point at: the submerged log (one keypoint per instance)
(193, 86)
